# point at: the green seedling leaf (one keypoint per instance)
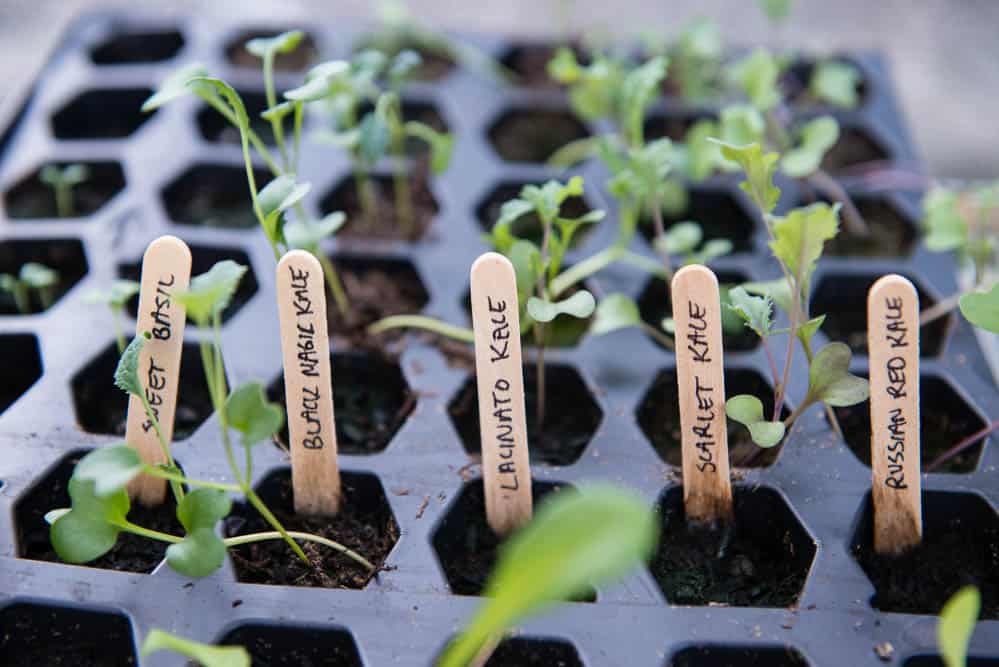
(757, 75)
(526, 260)
(278, 111)
(680, 239)
(38, 275)
(945, 228)
(211, 292)
(957, 623)
(807, 330)
(126, 374)
(816, 136)
(748, 411)
(307, 235)
(206, 85)
(563, 67)
(275, 198)
(204, 654)
(702, 155)
(580, 305)
(512, 210)
(755, 311)
(72, 174)
(202, 551)
(109, 468)
(982, 308)
(576, 540)
(778, 290)
(638, 89)
(174, 86)
(741, 125)
(116, 297)
(836, 83)
(251, 414)
(322, 81)
(615, 311)
(713, 249)
(441, 144)
(829, 378)
(403, 66)
(90, 528)
(374, 136)
(799, 237)
(759, 169)
(776, 10)
(286, 42)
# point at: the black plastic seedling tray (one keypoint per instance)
(809, 501)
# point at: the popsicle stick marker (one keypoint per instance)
(166, 268)
(506, 471)
(707, 489)
(308, 384)
(893, 344)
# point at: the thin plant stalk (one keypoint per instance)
(277, 123)
(251, 135)
(365, 194)
(64, 199)
(334, 283)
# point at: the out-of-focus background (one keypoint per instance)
(944, 53)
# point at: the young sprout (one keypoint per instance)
(205, 655)
(62, 180)
(97, 489)
(796, 243)
(32, 277)
(115, 298)
(574, 542)
(956, 625)
(695, 60)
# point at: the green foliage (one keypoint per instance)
(576, 540)
(72, 174)
(307, 236)
(757, 76)
(176, 85)
(268, 47)
(830, 381)
(116, 296)
(748, 411)
(202, 551)
(126, 374)
(580, 305)
(441, 144)
(109, 468)
(615, 311)
(695, 60)
(799, 237)
(759, 168)
(204, 654)
(90, 528)
(275, 199)
(683, 238)
(776, 10)
(38, 276)
(211, 292)
(755, 311)
(815, 138)
(250, 413)
(836, 83)
(957, 623)
(982, 308)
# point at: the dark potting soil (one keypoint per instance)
(467, 546)
(760, 560)
(520, 652)
(22, 363)
(210, 195)
(960, 547)
(65, 256)
(296, 61)
(375, 289)
(720, 215)
(530, 63)
(364, 524)
(289, 646)
(890, 234)
(214, 127)
(35, 635)
(945, 420)
(31, 198)
(385, 222)
(658, 416)
(737, 656)
(855, 147)
(131, 553)
(571, 415)
(533, 135)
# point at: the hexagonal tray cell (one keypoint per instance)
(30, 198)
(572, 415)
(64, 256)
(22, 364)
(892, 232)
(534, 652)
(213, 195)
(371, 400)
(718, 655)
(131, 553)
(107, 113)
(658, 416)
(203, 258)
(466, 546)
(796, 79)
(718, 211)
(856, 146)
(386, 222)
(272, 644)
(376, 287)
(533, 135)
(960, 547)
(364, 524)
(760, 561)
(655, 304)
(102, 408)
(137, 46)
(843, 300)
(47, 634)
(527, 227)
(297, 60)
(529, 62)
(672, 125)
(213, 127)
(945, 420)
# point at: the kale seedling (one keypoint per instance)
(62, 180)
(205, 655)
(796, 242)
(956, 625)
(97, 489)
(32, 277)
(574, 542)
(695, 58)
(115, 297)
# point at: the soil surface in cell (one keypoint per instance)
(384, 219)
(31, 198)
(888, 234)
(289, 646)
(36, 636)
(375, 290)
(854, 148)
(364, 524)
(533, 653)
(130, 554)
(530, 63)
(533, 136)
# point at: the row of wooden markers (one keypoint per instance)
(894, 376)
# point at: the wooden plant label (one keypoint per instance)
(308, 384)
(893, 343)
(707, 489)
(506, 472)
(166, 267)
